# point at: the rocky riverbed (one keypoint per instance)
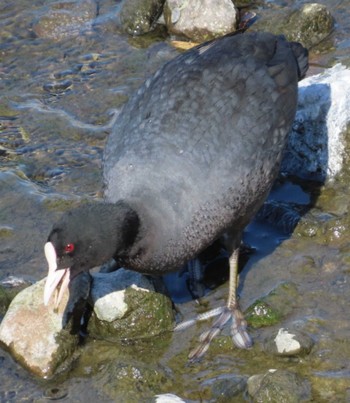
(66, 68)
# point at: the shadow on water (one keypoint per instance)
(303, 173)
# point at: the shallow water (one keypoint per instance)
(58, 100)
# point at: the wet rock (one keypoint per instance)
(224, 387)
(317, 144)
(200, 20)
(138, 17)
(281, 215)
(127, 307)
(278, 386)
(270, 309)
(9, 288)
(4, 301)
(123, 378)
(262, 314)
(44, 340)
(309, 25)
(66, 19)
(57, 86)
(34, 334)
(288, 343)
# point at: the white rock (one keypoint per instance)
(317, 144)
(108, 292)
(285, 342)
(32, 332)
(168, 398)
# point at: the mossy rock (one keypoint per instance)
(127, 307)
(308, 25)
(272, 308)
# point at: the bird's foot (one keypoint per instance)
(240, 336)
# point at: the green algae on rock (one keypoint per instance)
(138, 17)
(125, 306)
(277, 386)
(272, 308)
(309, 25)
(261, 314)
(9, 288)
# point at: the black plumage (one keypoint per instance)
(191, 158)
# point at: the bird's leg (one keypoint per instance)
(239, 333)
(232, 311)
(195, 281)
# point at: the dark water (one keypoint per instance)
(57, 102)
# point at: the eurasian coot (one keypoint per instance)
(191, 158)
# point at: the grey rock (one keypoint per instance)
(278, 386)
(225, 387)
(34, 334)
(44, 340)
(309, 24)
(126, 306)
(138, 16)
(200, 20)
(66, 19)
(288, 343)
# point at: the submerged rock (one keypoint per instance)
(200, 20)
(66, 19)
(225, 387)
(279, 386)
(272, 308)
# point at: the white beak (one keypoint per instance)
(56, 279)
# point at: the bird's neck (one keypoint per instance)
(122, 223)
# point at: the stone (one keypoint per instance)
(224, 387)
(200, 20)
(34, 334)
(288, 343)
(273, 307)
(66, 19)
(44, 339)
(278, 386)
(168, 398)
(138, 17)
(126, 306)
(309, 24)
(317, 145)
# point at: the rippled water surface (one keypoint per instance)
(58, 99)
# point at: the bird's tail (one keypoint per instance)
(302, 57)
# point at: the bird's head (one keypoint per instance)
(83, 238)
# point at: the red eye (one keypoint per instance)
(69, 248)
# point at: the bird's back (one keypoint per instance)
(200, 143)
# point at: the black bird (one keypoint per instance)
(191, 158)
